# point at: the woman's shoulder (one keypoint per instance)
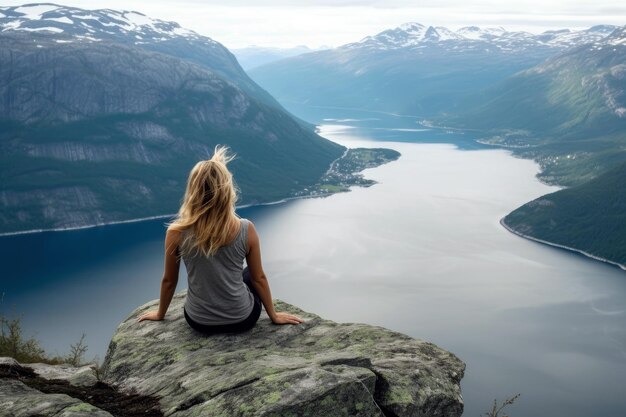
(246, 220)
(174, 228)
(243, 231)
(247, 226)
(175, 232)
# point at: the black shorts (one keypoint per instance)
(245, 324)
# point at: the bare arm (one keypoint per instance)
(170, 276)
(260, 283)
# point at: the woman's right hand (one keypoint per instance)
(286, 318)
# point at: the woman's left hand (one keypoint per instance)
(150, 315)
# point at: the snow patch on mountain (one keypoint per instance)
(61, 20)
(11, 25)
(45, 28)
(617, 37)
(476, 33)
(137, 18)
(35, 11)
(446, 34)
(411, 26)
(92, 17)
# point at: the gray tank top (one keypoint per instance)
(216, 292)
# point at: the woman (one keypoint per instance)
(213, 240)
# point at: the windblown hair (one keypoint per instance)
(208, 206)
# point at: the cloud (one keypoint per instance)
(578, 7)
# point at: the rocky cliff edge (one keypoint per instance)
(316, 368)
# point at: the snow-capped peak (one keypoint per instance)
(407, 35)
(567, 38)
(93, 25)
(476, 33)
(412, 27)
(604, 29)
(617, 37)
(446, 34)
(417, 35)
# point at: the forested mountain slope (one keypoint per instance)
(94, 129)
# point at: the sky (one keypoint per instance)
(316, 23)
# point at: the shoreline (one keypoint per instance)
(171, 215)
(160, 216)
(557, 245)
(511, 150)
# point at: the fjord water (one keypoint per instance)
(421, 252)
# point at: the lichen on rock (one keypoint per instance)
(315, 368)
(19, 400)
(84, 376)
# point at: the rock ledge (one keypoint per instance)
(315, 368)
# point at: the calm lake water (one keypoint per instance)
(421, 252)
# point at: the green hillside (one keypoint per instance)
(589, 217)
(403, 81)
(101, 132)
(567, 113)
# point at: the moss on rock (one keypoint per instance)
(318, 367)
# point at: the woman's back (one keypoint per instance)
(216, 292)
(221, 295)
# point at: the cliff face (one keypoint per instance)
(67, 25)
(101, 126)
(315, 368)
(100, 132)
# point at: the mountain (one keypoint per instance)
(413, 69)
(590, 217)
(101, 120)
(569, 112)
(133, 29)
(254, 56)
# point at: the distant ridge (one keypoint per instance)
(558, 97)
(414, 68)
(414, 34)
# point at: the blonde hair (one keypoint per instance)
(208, 206)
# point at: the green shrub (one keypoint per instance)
(14, 344)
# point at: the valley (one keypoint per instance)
(558, 98)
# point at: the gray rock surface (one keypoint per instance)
(315, 368)
(20, 400)
(8, 361)
(63, 390)
(82, 376)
